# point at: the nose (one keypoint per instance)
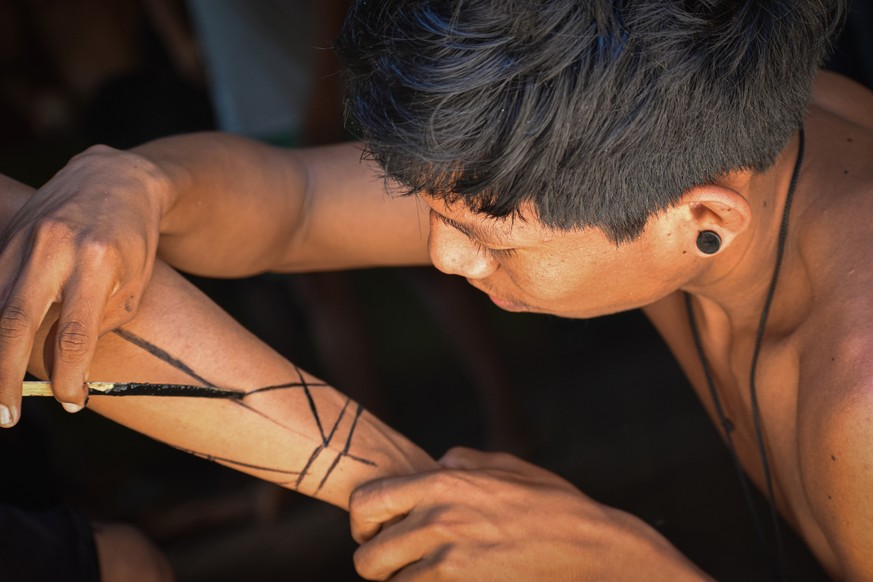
(452, 252)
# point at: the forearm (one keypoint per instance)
(303, 435)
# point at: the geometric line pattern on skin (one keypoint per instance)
(324, 444)
(214, 458)
(160, 354)
(345, 451)
(301, 383)
(312, 405)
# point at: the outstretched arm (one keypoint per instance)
(210, 204)
(289, 428)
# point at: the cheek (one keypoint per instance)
(548, 279)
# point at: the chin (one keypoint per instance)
(508, 305)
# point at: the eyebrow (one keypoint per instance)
(471, 231)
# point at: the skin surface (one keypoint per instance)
(325, 208)
(815, 368)
(307, 436)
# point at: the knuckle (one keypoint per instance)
(456, 455)
(358, 500)
(73, 340)
(97, 250)
(99, 149)
(94, 151)
(51, 230)
(366, 497)
(14, 322)
(449, 565)
(364, 565)
(455, 452)
(442, 525)
(447, 481)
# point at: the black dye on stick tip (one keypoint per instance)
(150, 389)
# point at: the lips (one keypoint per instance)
(506, 305)
(500, 302)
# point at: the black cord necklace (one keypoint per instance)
(776, 562)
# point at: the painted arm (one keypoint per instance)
(210, 204)
(290, 428)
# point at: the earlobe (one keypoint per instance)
(708, 242)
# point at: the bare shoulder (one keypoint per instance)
(835, 191)
(834, 344)
(844, 98)
(835, 435)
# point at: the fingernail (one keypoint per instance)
(71, 407)
(5, 416)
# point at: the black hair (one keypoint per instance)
(598, 112)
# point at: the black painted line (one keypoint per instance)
(312, 405)
(213, 458)
(362, 460)
(358, 414)
(152, 389)
(330, 469)
(288, 385)
(305, 470)
(160, 354)
(338, 420)
(345, 451)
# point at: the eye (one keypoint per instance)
(496, 253)
(501, 253)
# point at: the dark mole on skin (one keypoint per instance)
(848, 139)
(128, 304)
(833, 458)
(845, 171)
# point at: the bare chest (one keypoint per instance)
(756, 417)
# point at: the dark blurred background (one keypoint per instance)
(600, 402)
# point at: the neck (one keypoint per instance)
(733, 287)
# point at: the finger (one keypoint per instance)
(20, 316)
(431, 567)
(383, 500)
(75, 338)
(399, 545)
(465, 458)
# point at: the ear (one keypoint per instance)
(715, 208)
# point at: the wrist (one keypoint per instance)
(164, 179)
(658, 556)
(400, 456)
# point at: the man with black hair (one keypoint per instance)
(572, 158)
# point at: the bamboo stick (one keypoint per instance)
(44, 388)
